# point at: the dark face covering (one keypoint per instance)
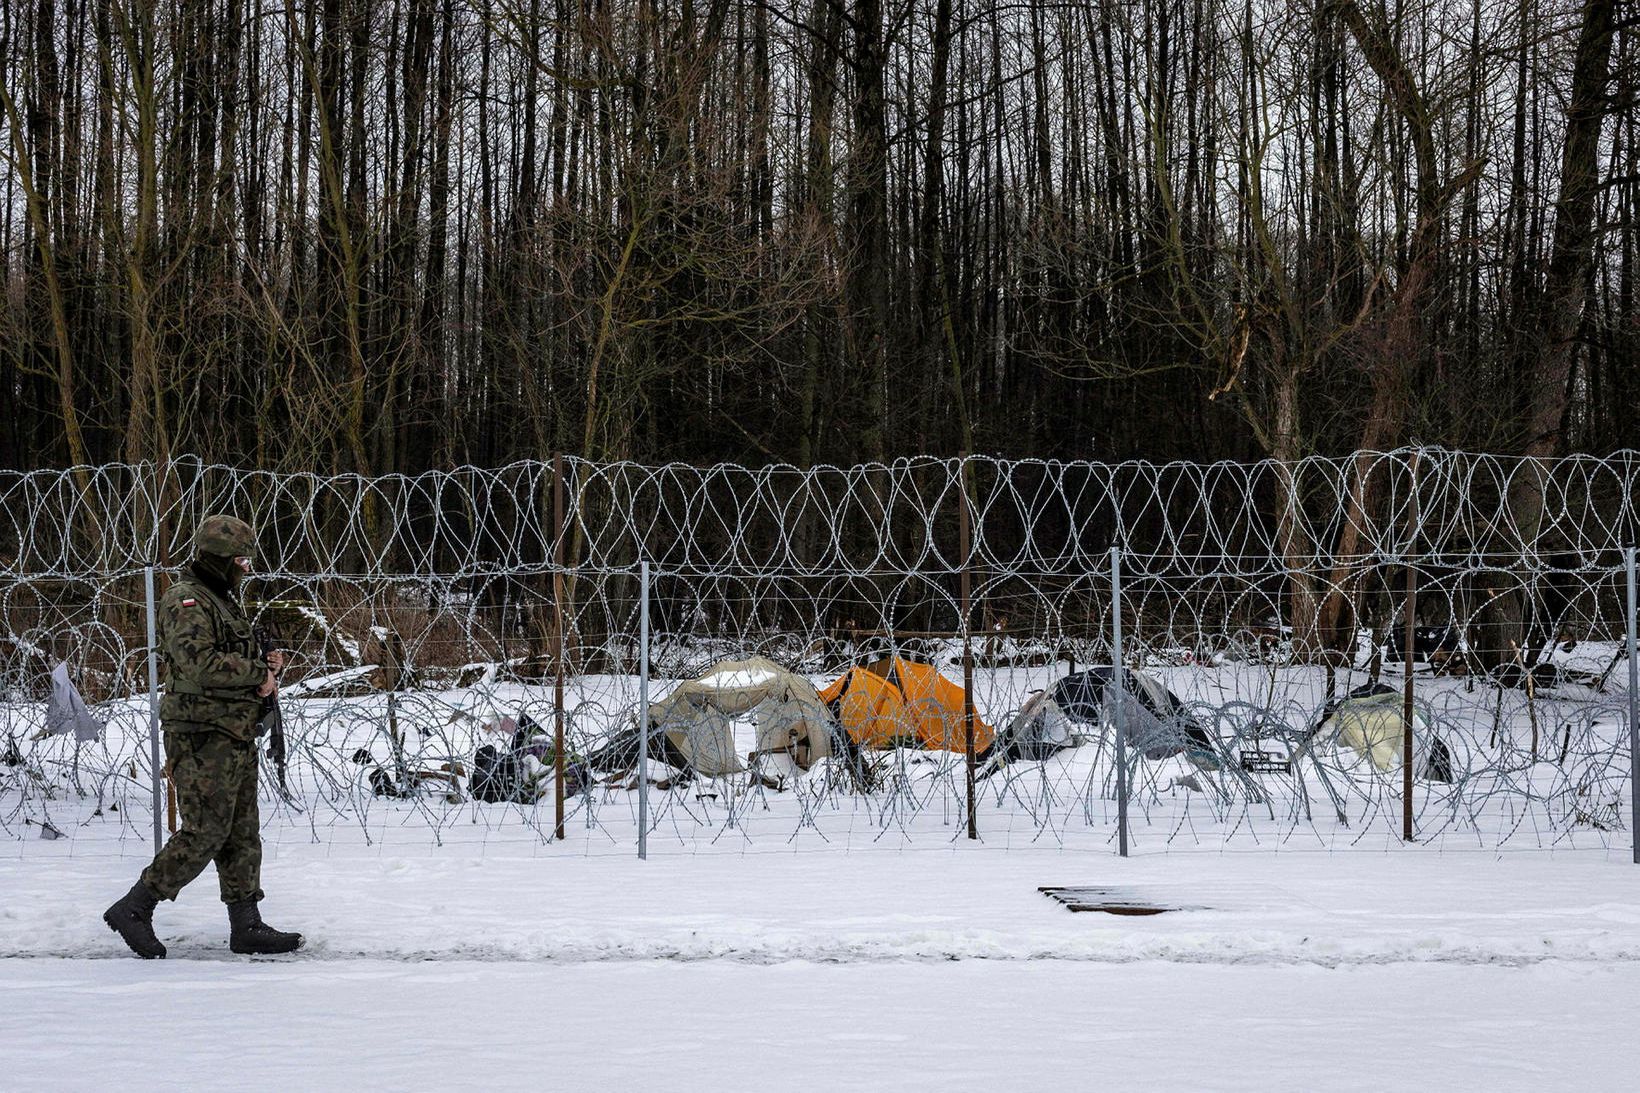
(220, 574)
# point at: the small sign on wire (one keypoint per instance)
(1266, 762)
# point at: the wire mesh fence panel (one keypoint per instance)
(845, 657)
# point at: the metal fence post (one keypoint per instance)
(1409, 636)
(561, 651)
(153, 706)
(643, 710)
(1121, 700)
(965, 535)
(1634, 711)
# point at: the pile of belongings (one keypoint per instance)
(446, 780)
(520, 774)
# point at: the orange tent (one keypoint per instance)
(897, 700)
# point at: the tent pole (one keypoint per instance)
(1634, 713)
(562, 645)
(153, 703)
(643, 710)
(967, 640)
(1410, 607)
(1121, 699)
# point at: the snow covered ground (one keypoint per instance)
(1054, 1025)
(1285, 909)
(868, 970)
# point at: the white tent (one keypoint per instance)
(1370, 722)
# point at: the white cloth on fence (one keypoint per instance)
(67, 710)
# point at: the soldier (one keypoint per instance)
(218, 678)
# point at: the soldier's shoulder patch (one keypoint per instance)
(189, 602)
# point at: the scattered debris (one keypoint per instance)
(47, 831)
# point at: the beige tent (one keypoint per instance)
(784, 713)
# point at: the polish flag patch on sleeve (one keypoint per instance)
(189, 602)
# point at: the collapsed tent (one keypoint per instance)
(1039, 730)
(693, 728)
(620, 753)
(895, 702)
(1370, 721)
(1154, 719)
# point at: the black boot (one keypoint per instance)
(133, 919)
(251, 936)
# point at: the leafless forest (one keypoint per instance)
(385, 236)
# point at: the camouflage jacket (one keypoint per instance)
(214, 660)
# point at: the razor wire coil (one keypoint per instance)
(424, 612)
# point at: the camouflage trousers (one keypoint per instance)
(215, 779)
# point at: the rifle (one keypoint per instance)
(269, 720)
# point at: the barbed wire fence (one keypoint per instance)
(1156, 656)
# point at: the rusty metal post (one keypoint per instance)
(963, 546)
(559, 642)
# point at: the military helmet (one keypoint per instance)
(225, 537)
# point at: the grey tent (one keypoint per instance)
(1154, 719)
(785, 714)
